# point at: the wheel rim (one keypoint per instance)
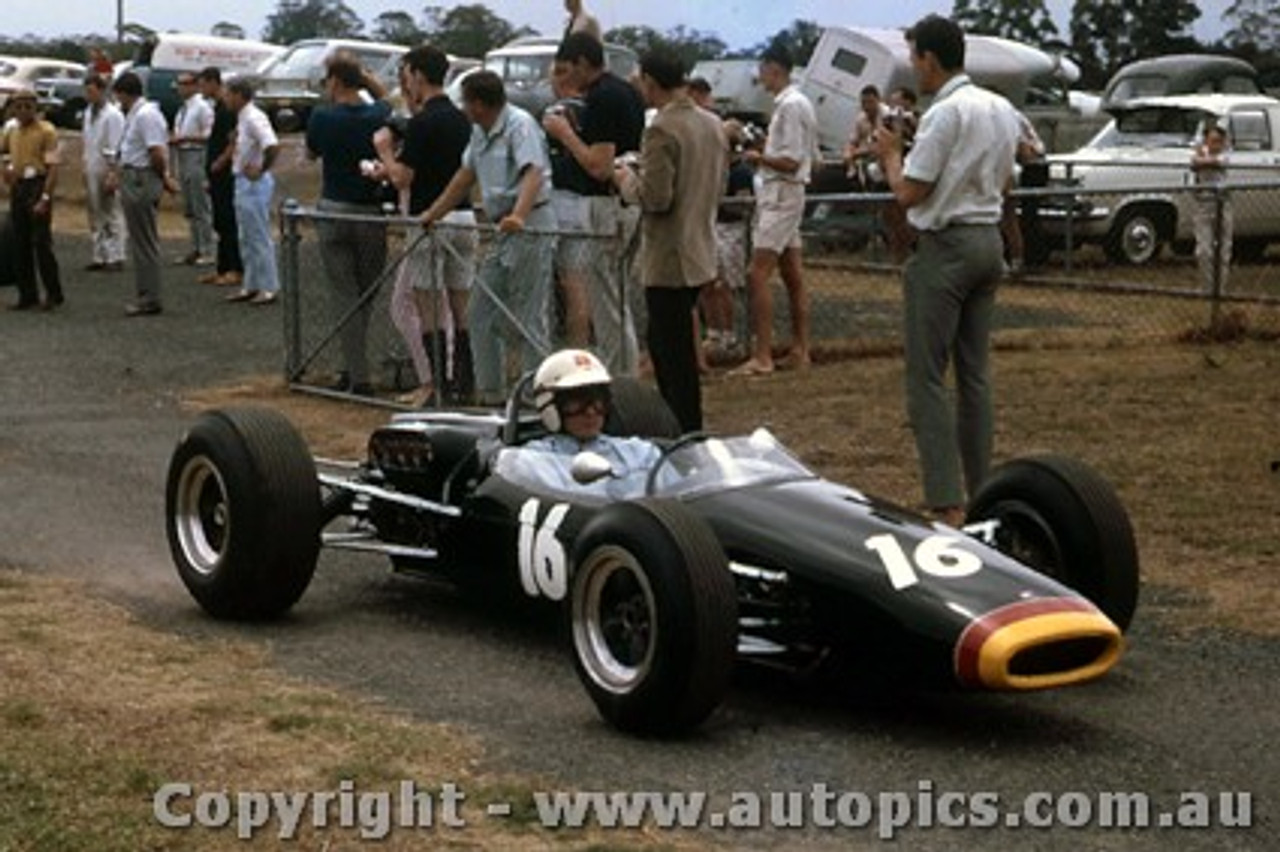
(1026, 536)
(202, 515)
(1139, 240)
(614, 620)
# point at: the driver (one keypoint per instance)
(571, 393)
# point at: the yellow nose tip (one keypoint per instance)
(1037, 644)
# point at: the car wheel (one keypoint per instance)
(1060, 517)
(639, 411)
(242, 512)
(654, 617)
(1136, 238)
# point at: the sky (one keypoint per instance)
(739, 23)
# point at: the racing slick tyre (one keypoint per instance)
(242, 513)
(653, 614)
(1063, 519)
(639, 411)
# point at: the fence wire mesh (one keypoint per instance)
(1106, 269)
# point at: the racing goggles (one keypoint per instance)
(575, 401)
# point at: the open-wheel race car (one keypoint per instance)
(725, 549)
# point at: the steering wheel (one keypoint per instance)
(683, 441)
(519, 395)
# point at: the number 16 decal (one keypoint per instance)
(544, 569)
(938, 556)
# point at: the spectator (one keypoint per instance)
(678, 186)
(783, 168)
(581, 21)
(340, 134)
(142, 179)
(859, 159)
(732, 224)
(256, 147)
(191, 129)
(507, 157)
(102, 129)
(612, 121)
(1029, 153)
(570, 201)
(952, 184)
(219, 151)
(100, 63)
(31, 173)
(442, 266)
(1213, 233)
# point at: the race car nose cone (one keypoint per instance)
(1037, 644)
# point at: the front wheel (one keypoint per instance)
(653, 616)
(242, 513)
(1060, 517)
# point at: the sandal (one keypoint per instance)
(752, 367)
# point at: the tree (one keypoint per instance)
(471, 30)
(226, 29)
(1027, 21)
(1252, 23)
(799, 39)
(299, 19)
(1107, 34)
(398, 28)
(691, 46)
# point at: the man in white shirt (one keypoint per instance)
(782, 170)
(952, 184)
(141, 176)
(255, 153)
(103, 127)
(191, 128)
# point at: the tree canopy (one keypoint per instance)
(294, 20)
(1107, 34)
(1021, 20)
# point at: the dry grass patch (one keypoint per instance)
(97, 713)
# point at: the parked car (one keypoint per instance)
(525, 68)
(27, 72)
(1181, 74)
(1132, 176)
(290, 85)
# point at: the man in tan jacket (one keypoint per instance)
(677, 187)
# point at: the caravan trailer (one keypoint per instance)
(846, 59)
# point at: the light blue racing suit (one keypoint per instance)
(544, 465)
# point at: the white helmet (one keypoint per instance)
(567, 369)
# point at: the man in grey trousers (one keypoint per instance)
(952, 183)
(142, 175)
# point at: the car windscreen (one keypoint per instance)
(719, 464)
(1156, 127)
(298, 62)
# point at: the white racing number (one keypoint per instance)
(938, 556)
(544, 567)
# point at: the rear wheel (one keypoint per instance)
(1060, 517)
(1136, 237)
(653, 617)
(242, 513)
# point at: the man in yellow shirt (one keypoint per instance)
(30, 149)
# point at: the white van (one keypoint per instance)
(161, 57)
(846, 59)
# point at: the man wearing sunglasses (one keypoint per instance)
(571, 393)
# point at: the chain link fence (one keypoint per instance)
(1101, 269)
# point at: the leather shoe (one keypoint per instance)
(96, 266)
(242, 295)
(24, 306)
(141, 309)
(53, 303)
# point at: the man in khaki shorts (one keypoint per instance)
(783, 169)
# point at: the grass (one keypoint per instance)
(100, 712)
